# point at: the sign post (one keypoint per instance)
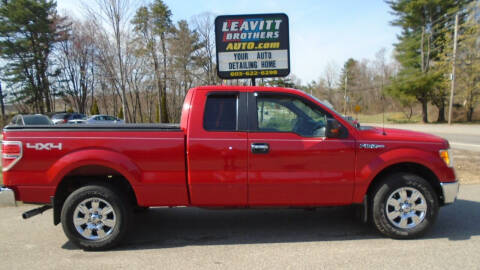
(252, 46)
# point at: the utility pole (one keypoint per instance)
(422, 53)
(450, 106)
(345, 96)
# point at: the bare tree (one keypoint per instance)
(116, 14)
(76, 59)
(205, 57)
(330, 76)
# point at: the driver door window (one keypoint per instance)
(289, 114)
(273, 116)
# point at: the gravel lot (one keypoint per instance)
(250, 239)
(466, 165)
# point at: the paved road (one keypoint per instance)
(250, 239)
(465, 137)
(462, 141)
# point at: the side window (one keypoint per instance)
(290, 114)
(220, 113)
(273, 116)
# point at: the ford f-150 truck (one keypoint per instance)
(235, 147)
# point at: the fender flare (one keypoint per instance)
(367, 173)
(94, 157)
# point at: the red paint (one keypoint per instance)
(221, 169)
(301, 171)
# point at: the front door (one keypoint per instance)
(290, 161)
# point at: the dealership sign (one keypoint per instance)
(252, 46)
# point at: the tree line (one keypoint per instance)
(420, 71)
(134, 62)
(123, 59)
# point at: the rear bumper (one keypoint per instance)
(450, 191)
(7, 197)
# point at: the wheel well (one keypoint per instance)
(413, 168)
(88, 175)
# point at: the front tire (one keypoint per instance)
(95, 217)
(404, 206)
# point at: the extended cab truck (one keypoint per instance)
(235, 147)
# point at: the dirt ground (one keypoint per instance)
(467, 165)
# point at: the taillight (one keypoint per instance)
(11, 154)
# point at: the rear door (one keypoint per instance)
(291, 162)
(217, 149)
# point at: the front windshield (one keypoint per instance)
(327, 104)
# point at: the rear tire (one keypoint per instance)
(404, 206)
(95, 217)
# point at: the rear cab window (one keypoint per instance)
(221, 112)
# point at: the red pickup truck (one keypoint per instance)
(236, 147)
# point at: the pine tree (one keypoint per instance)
(468, 61)
(348, 74)
(28, 31)
(120, 113)
(422, 22)
(157, 114)
(184, 44)
(281, 82)
(94, 109)
(153, 24)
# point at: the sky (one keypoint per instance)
(322, 32)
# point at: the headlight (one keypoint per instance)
(447, 158)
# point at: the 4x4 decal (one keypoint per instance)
(44, 146)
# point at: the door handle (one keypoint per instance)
(260, 148)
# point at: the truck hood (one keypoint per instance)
(393, 134)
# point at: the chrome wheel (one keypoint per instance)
(94, 219)
(406, 207)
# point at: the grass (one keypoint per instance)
(390, 118)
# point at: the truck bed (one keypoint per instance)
(150, 156)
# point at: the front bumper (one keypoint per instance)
(7, 197)
(450, 191)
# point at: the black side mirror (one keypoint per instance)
(335, 129)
